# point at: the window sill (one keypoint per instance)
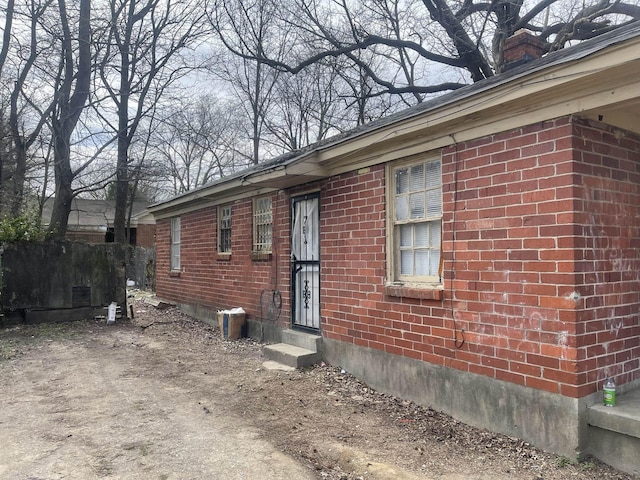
(225, 257)
(425, 292)
(260, 256)
(174, 274)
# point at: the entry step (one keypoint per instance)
(302, 339)
(291, 355)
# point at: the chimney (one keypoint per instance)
(521, 48)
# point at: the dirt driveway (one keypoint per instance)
(164, 397)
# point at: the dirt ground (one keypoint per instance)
(140, 399)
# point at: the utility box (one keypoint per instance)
(232, 323)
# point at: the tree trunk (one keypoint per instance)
(17, 182)
(69, 109)
(122, 190)
(122, 167)
(63, 191)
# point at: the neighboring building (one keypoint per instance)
(478, 253)
(92, 221)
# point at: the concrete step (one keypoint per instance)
(271, 365)
(615, 432)
(300, 339)
(290, 355)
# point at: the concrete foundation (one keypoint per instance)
(61, 315)
(207, 315)
(265, 332)
(614, 432)
(551, 422)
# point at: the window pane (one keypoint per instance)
(417, 178)
(262, 219)
(402, 208)
(435, 232)
(405, 235)
(435, 263)
(434, 203)
(421, 235)
(175, 230)
(434, 174)
(422, 262)
(417, 205)
(224, 243)
(406, 262)
(402, 180)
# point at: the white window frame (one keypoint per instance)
(174, 253)
(414, 223)
(262, 224)
(225, 213)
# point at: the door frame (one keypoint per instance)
(297, 267)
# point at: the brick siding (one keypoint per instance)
(541, 262)
(226, 281)
(146, 235)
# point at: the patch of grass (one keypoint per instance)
(562, 462)
(8, 350)
(587, 465)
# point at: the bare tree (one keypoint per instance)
(72, 92)
(246, 26)
(197, 144)
(302, 108)
(317, 102)
(140, 60)
(465, 36)
(25, 117)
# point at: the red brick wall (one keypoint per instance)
(146, 235)
(223, 281)
(521, 293)
(541, 233)
(608, 252)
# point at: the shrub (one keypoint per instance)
(24, 227)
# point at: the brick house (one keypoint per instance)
(478, 253)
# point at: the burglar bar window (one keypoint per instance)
(224, 229)
(417, 222)
(175, 244)
(262, 225)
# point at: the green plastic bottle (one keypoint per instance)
(609, 393)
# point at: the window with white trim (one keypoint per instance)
(224, 229)
(175, 244)
(262, 225)
(416, 221)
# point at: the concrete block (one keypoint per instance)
(300, 339)
(614, 432)
(290, 355)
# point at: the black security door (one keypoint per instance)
(305, 262)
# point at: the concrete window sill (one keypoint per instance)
(413, 291)
(260, 256)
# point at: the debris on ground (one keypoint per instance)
(336, 425)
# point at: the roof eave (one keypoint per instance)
(295, 171)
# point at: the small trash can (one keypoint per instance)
(231, 323)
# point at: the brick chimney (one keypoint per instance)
(521, 48)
